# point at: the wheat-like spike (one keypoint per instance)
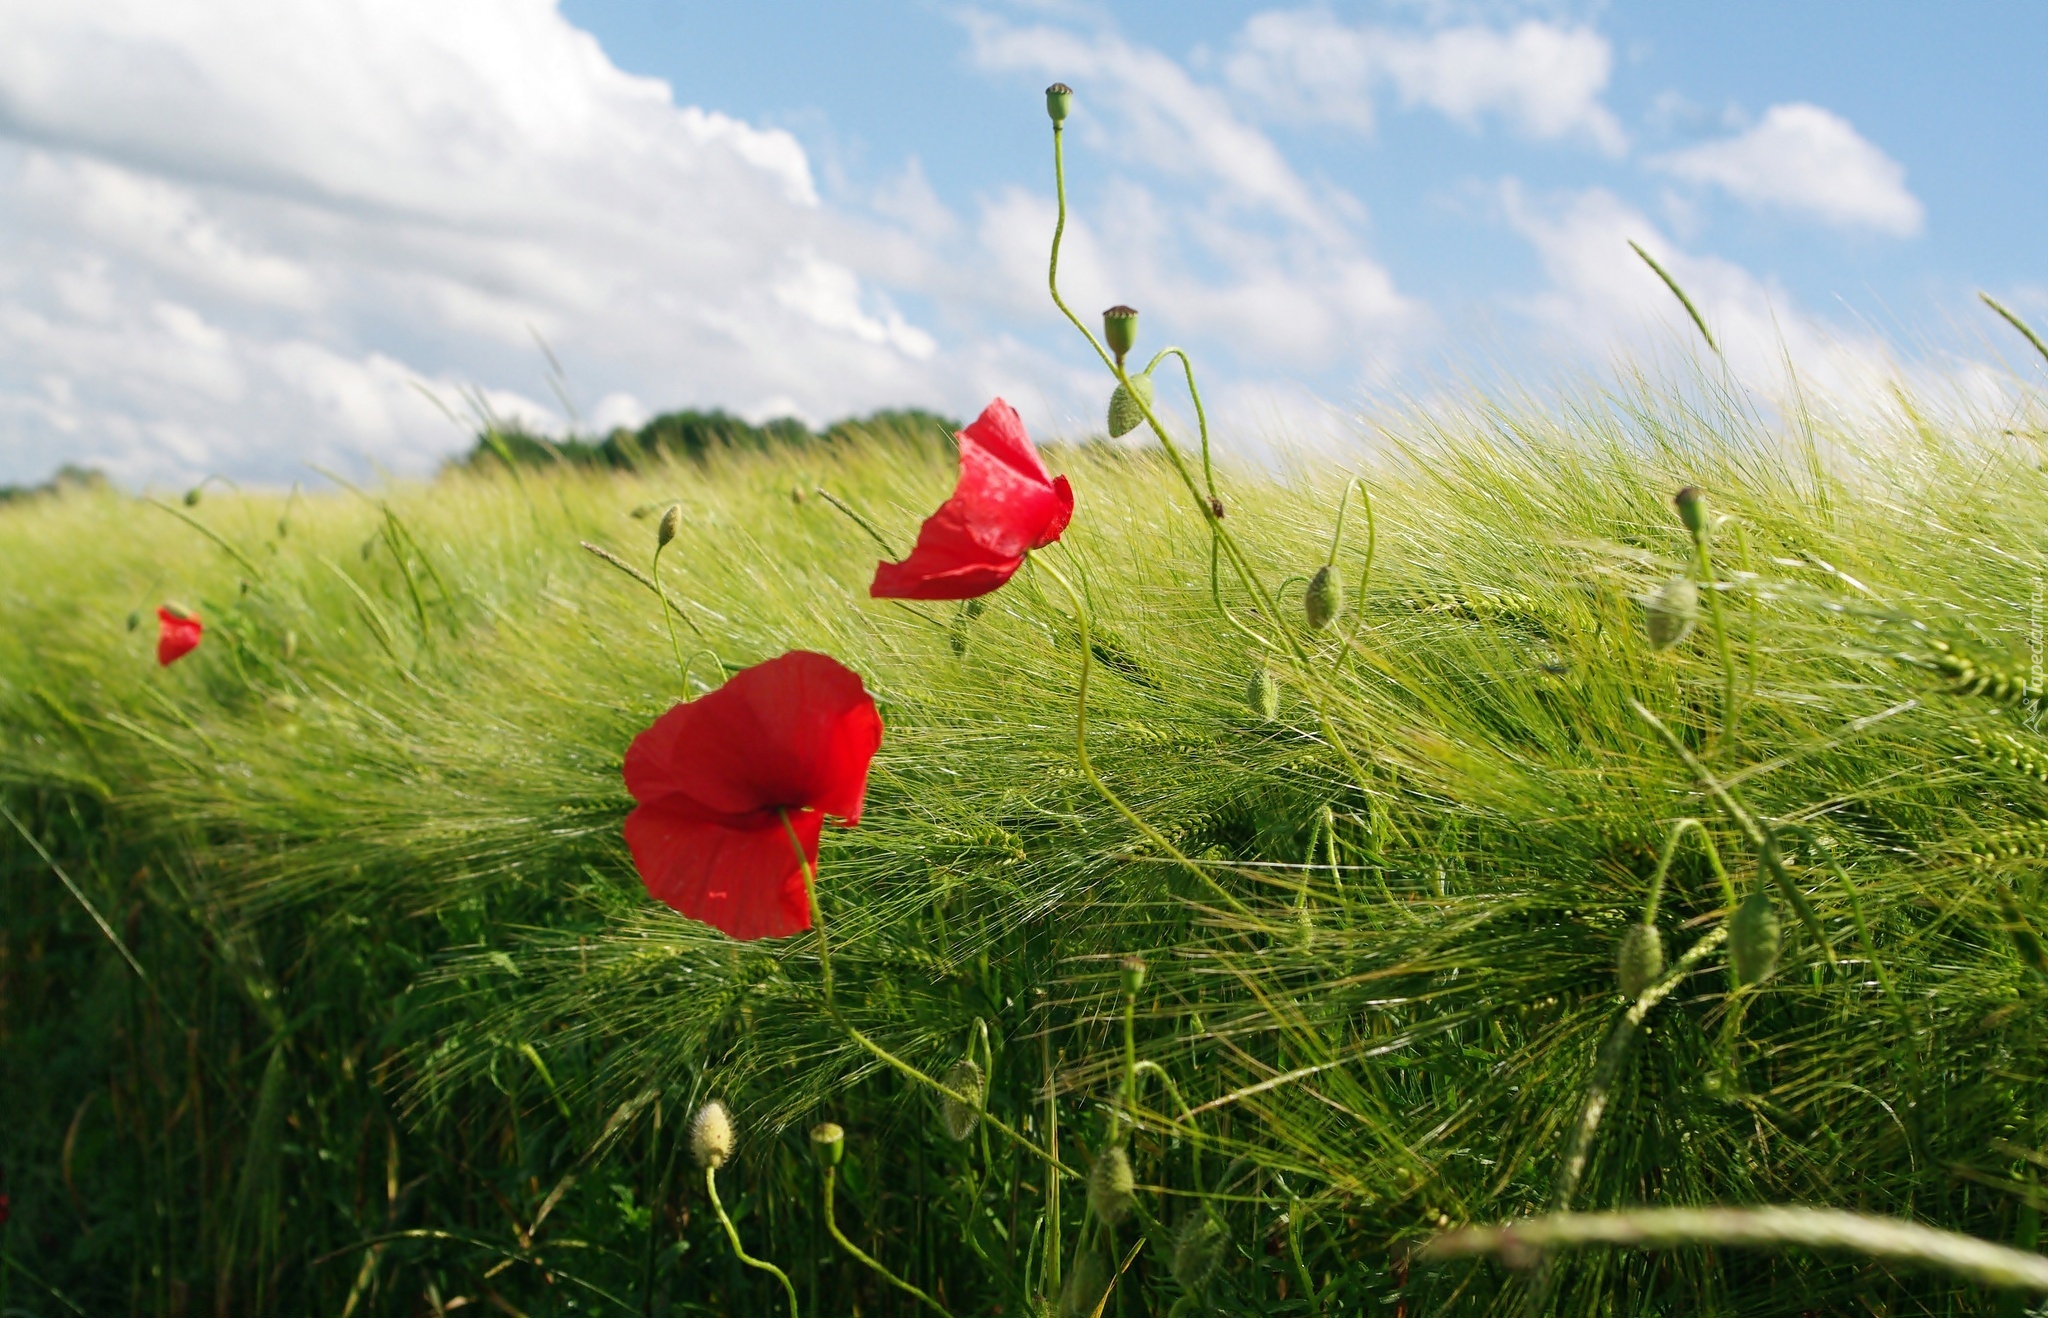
(2009, 751)
(1967, 677)
(2027, 842)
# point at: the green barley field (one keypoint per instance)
(327, 985)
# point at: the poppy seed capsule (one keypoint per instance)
(1087, 1284)
(1133, 969)
(1639, 961)
(1125, 415)
(1263, 695)
(1669, 614)
(1059, 98)
(960, 1119)
(1753, 939)
(1197, 1250)
(1324, 599)
(1111, 1187)
(1120, 329)
(828, 1142)
(711, 1135)
(1692, 508)
(671, 522)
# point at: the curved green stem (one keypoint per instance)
(1152, 834)
(910, 1072)
(1671, 841)
(739, 1251)
(832, 1225)
(1187, 1116)
(1372, 541)
(817, 909)
(858, 520)
(1052, 276)
(1703, 567)
(668, 616)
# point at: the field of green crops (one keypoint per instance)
(327, 984)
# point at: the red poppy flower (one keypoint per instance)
(1004, 507)
(714, 777)
(177, 635)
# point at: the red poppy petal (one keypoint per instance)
(1063, 512)
(949, 563)
(794, 733)
(1005, 498)
(176, 636)
(745, 881)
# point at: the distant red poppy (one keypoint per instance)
(177, 635)
(714, 776)
(1004, 507)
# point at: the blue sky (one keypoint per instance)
(243, 237)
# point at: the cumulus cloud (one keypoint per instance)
(236, 234)
(1810, 161)
(1543, 79)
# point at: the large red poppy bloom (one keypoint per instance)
(177, 635)
(714, 777)
(1004, 507)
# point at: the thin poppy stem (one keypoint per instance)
(668, 617)
(1703, 566)
(1157, 838)
(832, 1225)
(817, 908)
(858, 520)
(732, 1234)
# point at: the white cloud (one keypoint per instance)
(234, 232)
(1544, 79)
(1805, 159)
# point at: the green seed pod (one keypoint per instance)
(1669, 614)
(134, 619)
(1325, 598)
(1753, 939)
(1120, 329)
(1692, 508)
(1111, 1188)
(1124, 413)
(711, 1135)
(960, 1119)
(192, 496)
(1133, 973)
(1639, 960)
(1059, 98)
(828, 1142)
(1087, 1283)
(1197, 1250)
(1263, 695)
(671, 522)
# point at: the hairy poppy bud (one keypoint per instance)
(1197, 1250)
(1692, 508)
(671, 522)
(1124, 412)
(134, 619)
(1087, 1284)
(1325, 598)
(796, 495)
(828, 1142)
(1059, 98)
(1669, 614)
(1120, 329)
(1133, 969)
(1639, 961)
(963, 1078)
(711, 1135)
(192, 496)
(1263, 695)
(1753, 939)
(1111, 1188)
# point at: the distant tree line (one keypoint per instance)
(698, 435)
(68, 477)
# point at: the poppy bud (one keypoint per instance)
(1059, 98)
(1124, 412)
(711, 1135)
(1111, 1187)
(1753, 939)
(1133, 974)
(1692, 508)
(671, 522)
(796, 495)
(134, 619)
(192, 496)
(1197, 1250)
(960, 1119)
(1325, 598)
(828, 1142)
(1669, 614)
(1639, 961)
(1120, 329)
(1087, 1284)
(1263, 695)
